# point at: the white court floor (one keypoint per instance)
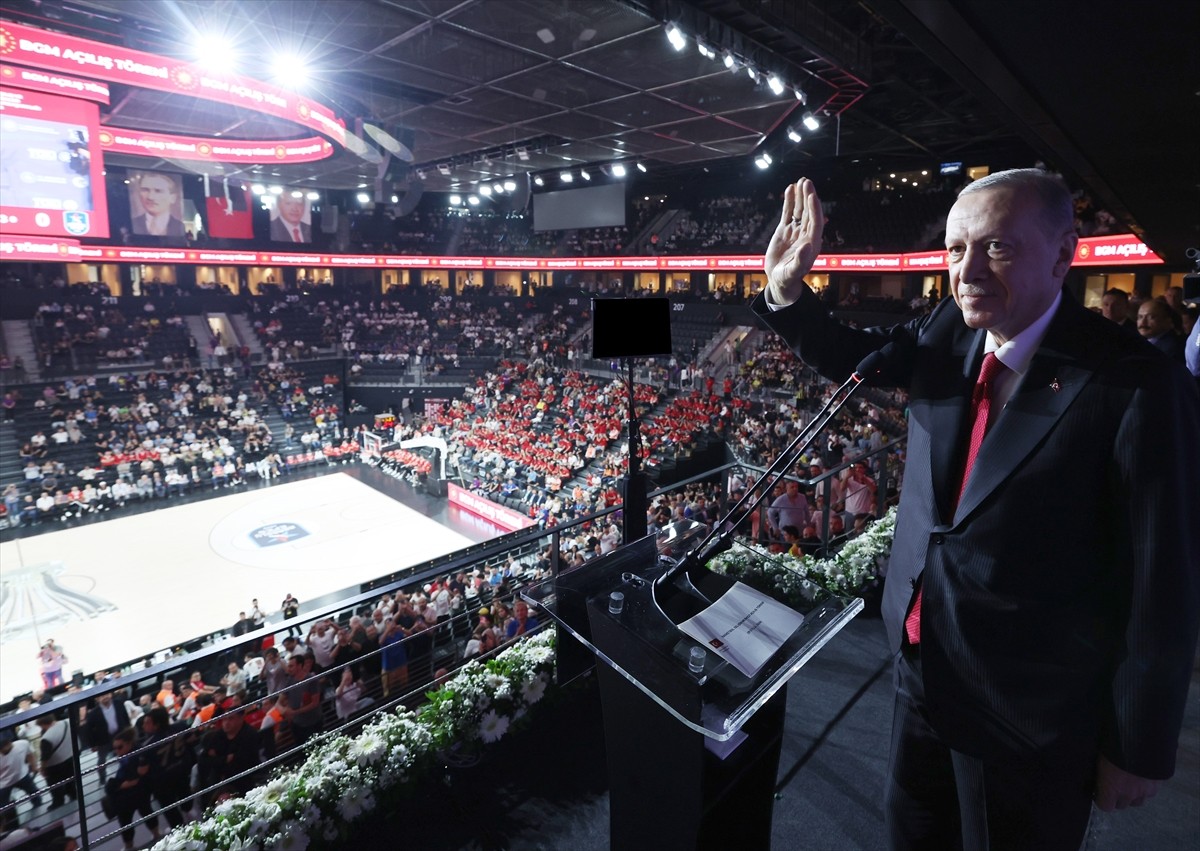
(112, 591)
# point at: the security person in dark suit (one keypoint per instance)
(1044, 583)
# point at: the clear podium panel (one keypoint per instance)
(636, 636)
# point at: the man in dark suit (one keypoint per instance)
(289, 225)
(159, 197)
(105, 719)
(1044, 583)
(1156, 324)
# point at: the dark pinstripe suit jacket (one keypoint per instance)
(1061, 594)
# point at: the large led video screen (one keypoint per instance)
(592, 207)
(51, 174)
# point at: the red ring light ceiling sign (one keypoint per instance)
(110, 63)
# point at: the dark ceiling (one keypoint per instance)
(481, 90)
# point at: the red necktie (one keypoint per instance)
(296, 234)
(981, 411)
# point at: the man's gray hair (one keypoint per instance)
(1058, 208)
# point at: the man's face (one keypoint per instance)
(157, 194)
(520, 611)
(291, 210)
(1114, 307)
(793, 488)
(1153, 319)
(1005, 268)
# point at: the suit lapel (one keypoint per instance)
(1056, 376)
(948, 418)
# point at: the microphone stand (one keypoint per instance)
(720, 537)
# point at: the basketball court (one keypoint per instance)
(125, 587)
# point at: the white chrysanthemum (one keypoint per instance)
(492, 727)
(355, 803)
(533, 690)
(368, 749)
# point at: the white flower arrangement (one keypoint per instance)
(804, 580)
(343, 778)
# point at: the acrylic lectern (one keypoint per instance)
(692, 744)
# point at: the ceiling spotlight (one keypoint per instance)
(523, 154)
(537, 181)
(801, 96)
(296, 193)
(313, 196)
(566, 177)
(498, 188)
(810, 121)
(364, 198)
(214, 51)
(257, 189)
(510, 186)
(751, 73)
(473, 200)
(583, 173)
(705, 51)
(729, 60)
(775, 84)
(275, 190)
(618, 170)
(485, 190)
(675, 36)
(455, 200)
(444, 168)
(289, 70)
(794, 134)
(395, 199)
(763, 160)
(641, 168)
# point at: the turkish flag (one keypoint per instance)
(229, 215)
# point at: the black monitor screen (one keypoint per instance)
(631, 328)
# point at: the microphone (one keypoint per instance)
(873, 367)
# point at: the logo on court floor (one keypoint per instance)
(278, 533)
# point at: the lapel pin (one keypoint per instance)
(1055, 386)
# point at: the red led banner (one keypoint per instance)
(61, 84)
(52, 185)
(38, 248)
(1121, 250)
(1100, 250)
(57, 52)
(246, 151)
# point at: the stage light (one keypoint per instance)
(705, 51)
(751, 73)
(314, 196)
(641, 168)
(523, 154)
(775, 84)
(485, 190)
(444, 169)
(510, 186)
(810, 121)
(473, 200)
(498, 188)
(729, 60)
(455, 200)
(537, 181)
(566, 177)
(395, 199)
(215, 51)
(924, 173)
(584, 174)
(257, 189)
(296, 193)
(794, 134)
(363, 198)
(801, 96)
(618, 170)
(289, 70)
(275, 190)
(763, 160)
(676, 37)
